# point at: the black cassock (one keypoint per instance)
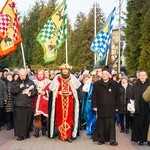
(105, 130)
(23, 117)
(105, 98)
(141, 119)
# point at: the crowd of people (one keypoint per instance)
(61, 104)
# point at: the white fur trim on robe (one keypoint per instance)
(74, 84)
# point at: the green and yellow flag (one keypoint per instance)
(54, 33)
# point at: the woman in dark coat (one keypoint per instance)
(9, 102)
(124, 114)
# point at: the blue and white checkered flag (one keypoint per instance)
(101, 43)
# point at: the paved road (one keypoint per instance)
(9, 142)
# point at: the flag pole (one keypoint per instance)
(66, 52)
(66, 42)
(106, 62)
(95, 29)
(22, 50)
(119, 34)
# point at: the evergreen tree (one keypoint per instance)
(76, 40)
(4, 62)
(83, 36)
(30, 27)
(133, 35)
(144, 64)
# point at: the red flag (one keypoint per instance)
(9, 29)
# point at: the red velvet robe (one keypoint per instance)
(64, 109)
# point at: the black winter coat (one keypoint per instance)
(23, 99)
(9, 100)
(105, 97)
(137, 91)
(124, 98)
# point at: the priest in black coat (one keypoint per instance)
(142, 111)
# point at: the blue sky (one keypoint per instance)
(74, 6)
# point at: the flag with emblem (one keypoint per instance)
(54, 33)
(9, 29)
(101, 43)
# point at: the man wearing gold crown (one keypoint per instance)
(64, 107)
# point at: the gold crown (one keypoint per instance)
(65, 66)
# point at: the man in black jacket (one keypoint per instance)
(105, 98)
(23, 91)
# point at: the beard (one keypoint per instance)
(65, 76)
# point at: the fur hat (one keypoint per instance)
(85, 74)
(6, 70)
(146, 94)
